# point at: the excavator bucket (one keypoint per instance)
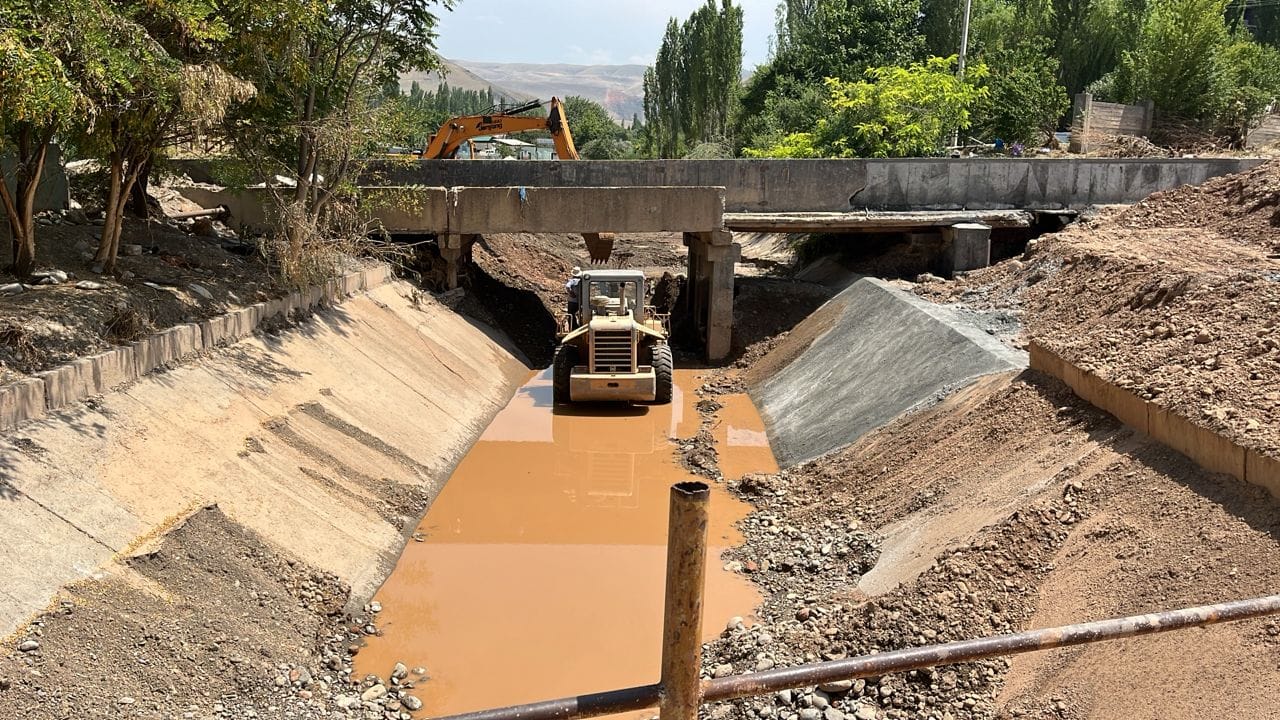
(599, 246)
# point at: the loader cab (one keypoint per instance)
(611, 293)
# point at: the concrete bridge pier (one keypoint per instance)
(712, 257)
(455, 249)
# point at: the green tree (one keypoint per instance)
(692, 88)
(1253, 76)
(895, 112)
(1025, 100)
(818, 39)
(320, 66)
(589, 122)
(37, 100)
(1177, 61)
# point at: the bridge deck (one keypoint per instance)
(866, 221)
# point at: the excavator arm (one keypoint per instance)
(451, 136)
(445, 142)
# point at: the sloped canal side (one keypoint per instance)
(539, 568)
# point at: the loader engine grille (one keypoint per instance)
(611, 351)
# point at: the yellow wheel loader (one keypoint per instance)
(616, 346)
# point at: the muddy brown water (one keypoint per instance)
(541, 573)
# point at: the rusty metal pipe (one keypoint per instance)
(966, 650)
(219, 212)
(682, 618)
(639, 698)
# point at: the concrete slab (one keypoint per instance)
(876, 353)
(68, 384)
(481, 210)
(21, 401)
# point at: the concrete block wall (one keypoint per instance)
(71, 383)
(1205, 447)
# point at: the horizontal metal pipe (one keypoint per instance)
(966, 650)
(582, 706)
(220, 211)
(728, 688)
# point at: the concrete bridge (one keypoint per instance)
(960, 200)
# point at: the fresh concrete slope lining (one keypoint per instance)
(881, 353)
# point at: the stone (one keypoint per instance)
(1203, 337)
(346, 702)
(399, 672)
(810, 714)
(733, 623)
(12, 288)
(29, 646)
(88, 285)
(784, 697)
(130, 249)
(724, 670)
(126, 700)
(832, 714)
(375, 607)
(411, 703)
(201, 291)
(764, 664)
(865, 712)
(819, 701)
(377, 692)
(837, 686)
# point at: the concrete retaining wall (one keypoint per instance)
(1208, 449)
(314, 438)
(876, 352)
(834, 185)
(54, 192)
(69, 384)
(843, 185)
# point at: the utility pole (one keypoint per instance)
(964, 50)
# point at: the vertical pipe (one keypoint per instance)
(964, 51)
(682, 622)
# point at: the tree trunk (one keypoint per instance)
(139, 204)
(107, 243)
(19, 207)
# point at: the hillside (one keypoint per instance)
(620, 88)
(458, 76)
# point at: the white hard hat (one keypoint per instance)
(577, 271)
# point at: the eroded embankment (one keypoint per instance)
(320, 446)
(1012, 504)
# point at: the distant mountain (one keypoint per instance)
(619, 88)
(458, 76)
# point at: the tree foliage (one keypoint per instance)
(1177, 60)
(1025, 100)
(894, 111)
(691, 90)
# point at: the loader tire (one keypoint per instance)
(561, 371)
(664, 369)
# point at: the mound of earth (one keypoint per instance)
(1176, 298)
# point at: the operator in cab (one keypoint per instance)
(571, 288)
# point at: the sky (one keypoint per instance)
(582, 32)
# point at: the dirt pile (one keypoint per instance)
(983, 512)
(1176, 298)
(215, 623)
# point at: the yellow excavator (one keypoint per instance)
(456, 132)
